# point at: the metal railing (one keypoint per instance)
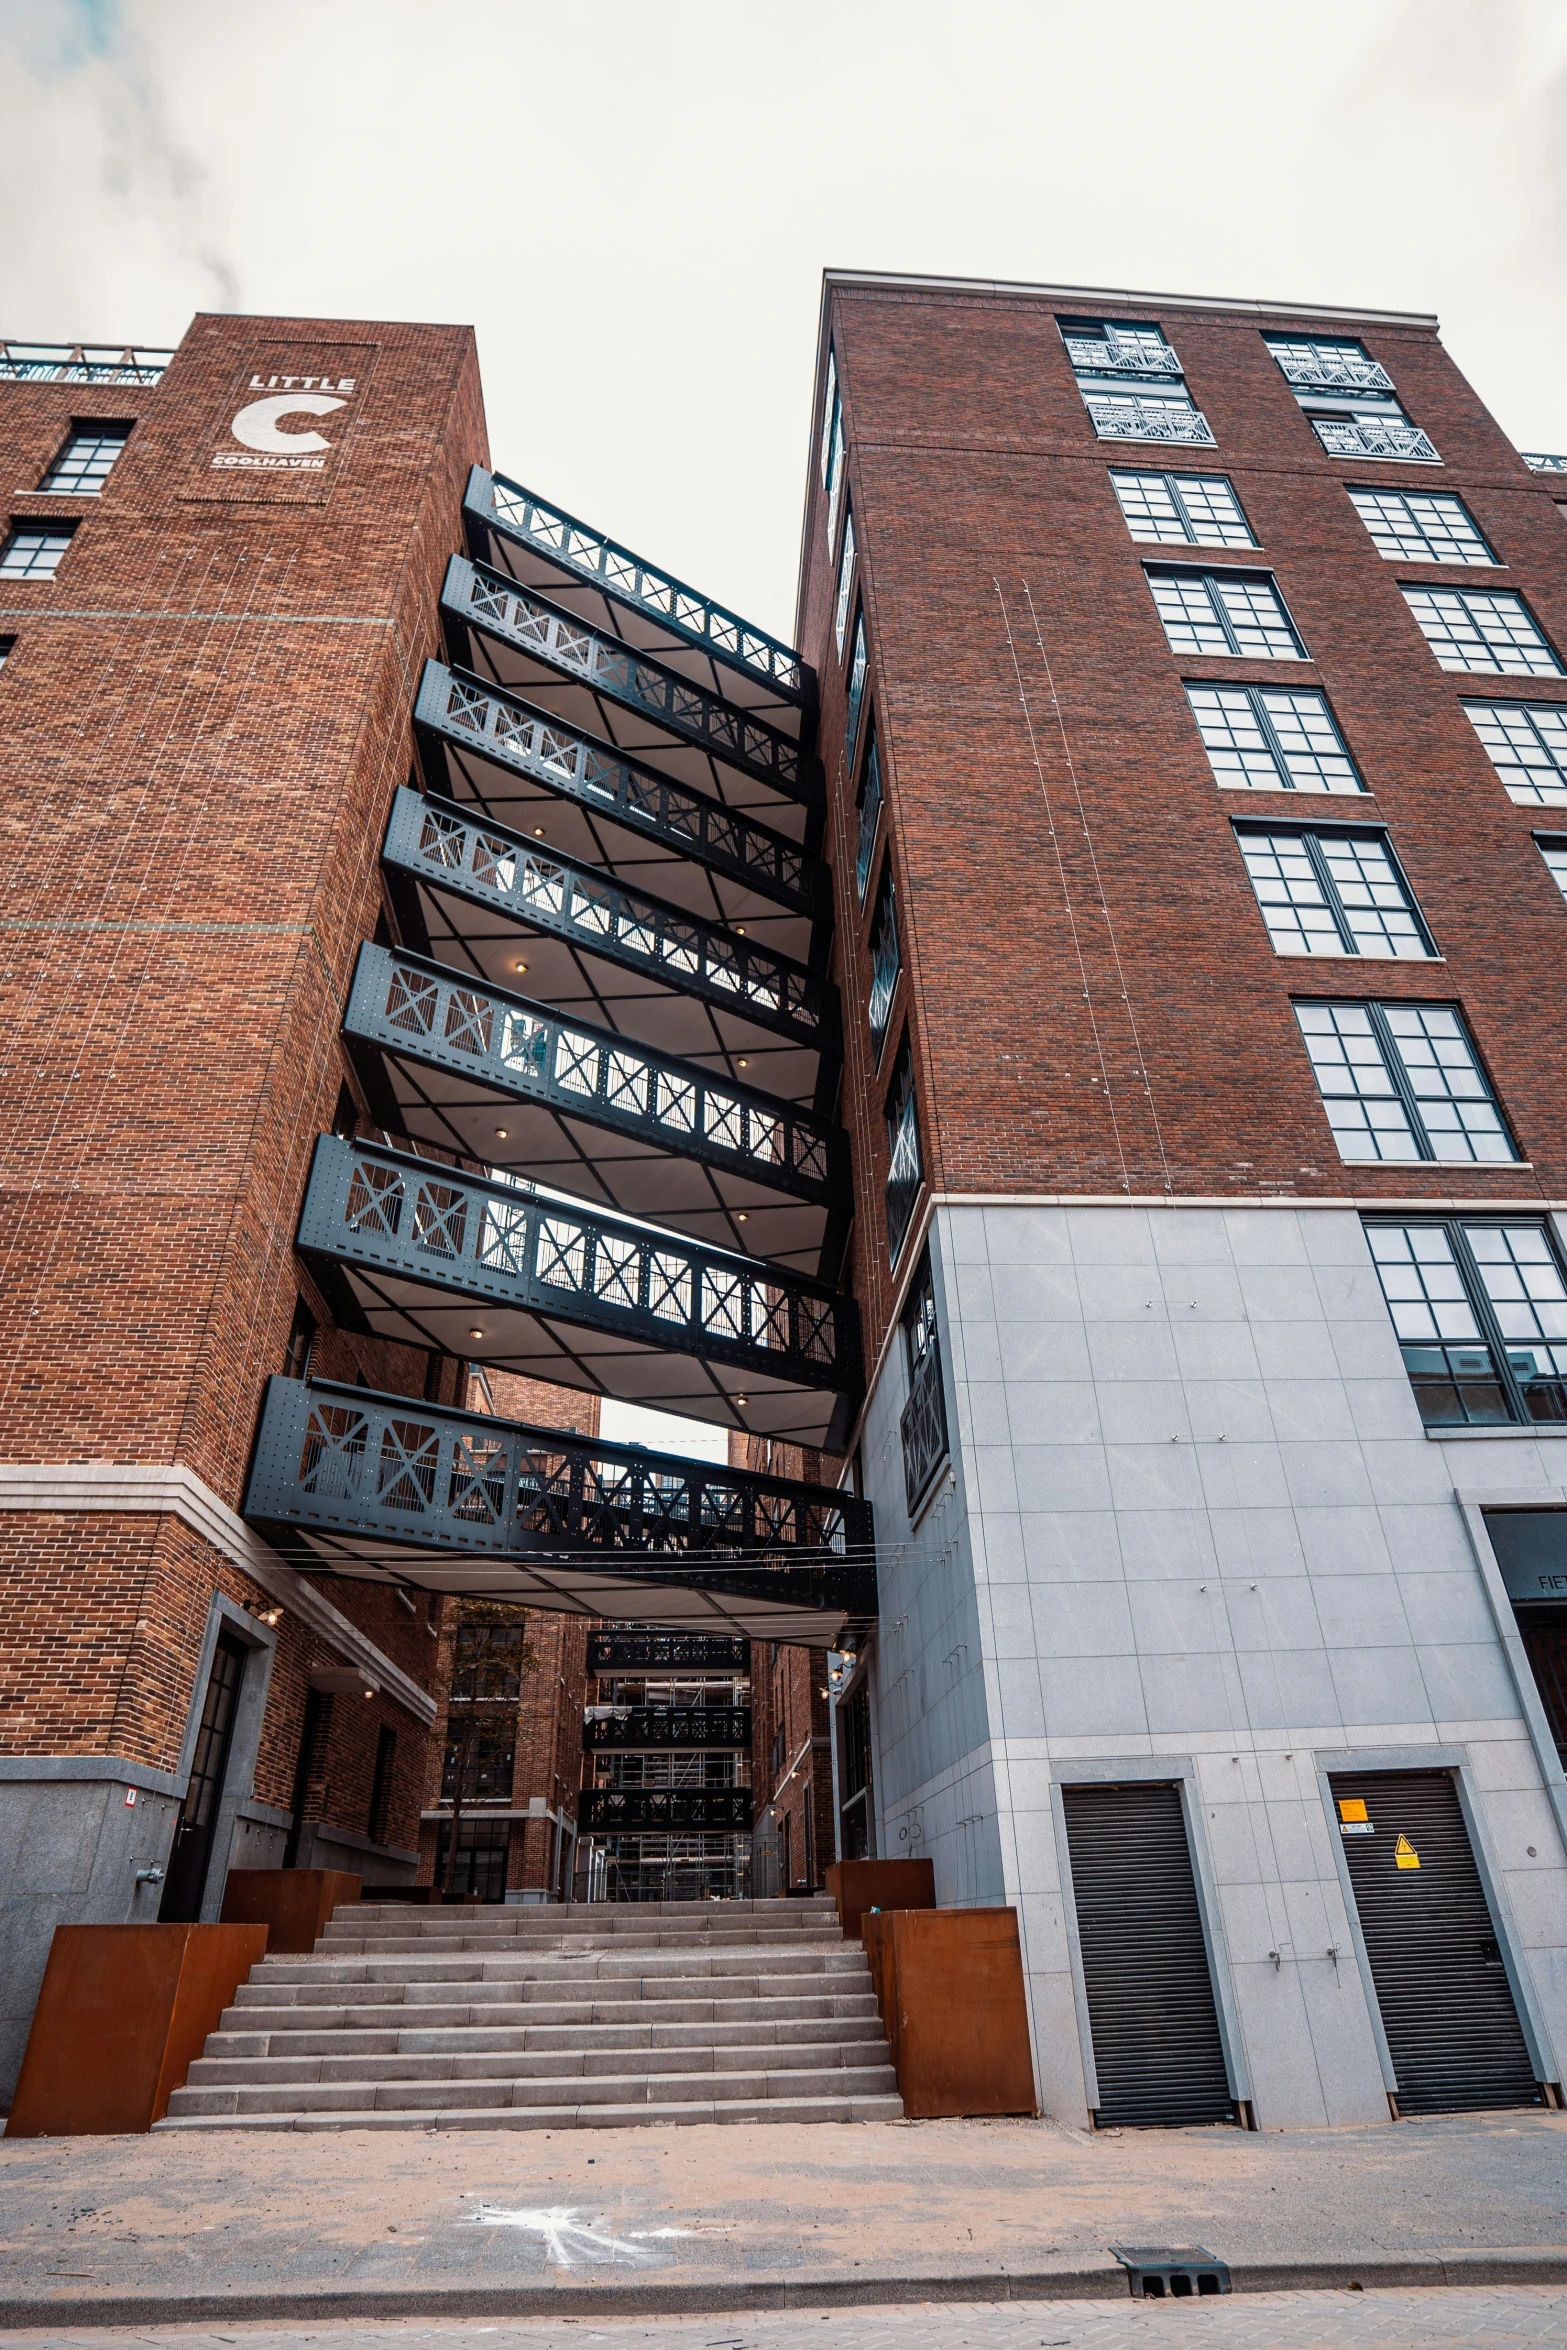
(1113, 354)
(346, 1460)
(1148, 420)
(618, 1810)
(625, 576)
(1374, 436)
(1539, 462)
(923, 1426)
(497, 868)
(692, 1727)
(514, 734)
(492, 602)
(667, 1652)
(368, 1206)
(81, 363)
(435, 1016)
(1324, 368)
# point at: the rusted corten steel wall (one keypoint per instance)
(1093, 1003)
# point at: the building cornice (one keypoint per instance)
(170, 1490)
(1121, 297)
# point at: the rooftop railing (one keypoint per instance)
(1538, 462)
(81, 363)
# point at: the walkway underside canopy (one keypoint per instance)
(504, 1081)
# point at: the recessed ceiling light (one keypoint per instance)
(502, 1133)
(538, 832)
(739, 930)
(476, 1334)
(519, 966)
(742, 1064)
(740, 1399)
(742, 1217)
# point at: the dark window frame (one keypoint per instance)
(1312, 835)
(865, 804)
(1393, 1062)
(1503, 1371)
(1172, 483)
(900, 1117)
(1208, 573)
(885, 947)
(85, 428)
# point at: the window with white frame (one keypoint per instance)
(32, 550)
(1239, 612)
(1555, 854)
(83, 465)
(1479, 1307)
(1350, 398)
(1131, 382)
(1482, 629)
(1182, 509)
(1271, 738)
(1402, 1082)
(1526, 742)
(845, 582)
(868, 813)
(1421, 526)
(1329, 892)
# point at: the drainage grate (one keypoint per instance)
(1158, 2272)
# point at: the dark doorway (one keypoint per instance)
(192, 1854)
(1151, 2011)
(483, 1850)
(1446, 2004)
(858, 1832)
(1544, 1631)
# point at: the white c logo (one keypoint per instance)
(257, 425)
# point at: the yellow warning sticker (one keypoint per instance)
(1405, 1854)
(1351, 1807)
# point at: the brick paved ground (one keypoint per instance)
(1443, 2320)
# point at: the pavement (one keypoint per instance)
(254, 2228)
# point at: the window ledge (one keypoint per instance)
(1506, 1435)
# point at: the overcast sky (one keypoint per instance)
(633, 203)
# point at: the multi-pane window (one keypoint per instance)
(1182, 509)
(32, 550)
(1420, 526)
(1526, 742)
(905, 1163)
(886, 960)
(1555, 854)
(1271, 738)
(1480, 1311)
(83, 465)
(1333, 893)
(869, 813)
(7, 648)
(1401, 1082)
(859, 664)
(1237, 612)
(832, 447)
(845, 583)
(923, 1426)
(1482, 629)
(1349, 398)
(1131, 382)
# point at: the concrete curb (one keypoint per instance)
(652, 2297)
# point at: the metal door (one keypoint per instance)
(192, 1853)
(1151, 2009)
(1446, 2004)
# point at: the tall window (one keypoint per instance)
(906, 1166)
(83, 465)
(859, 664)
(1526, 742)
(1555, 854)
(869, 813)
(1237, 612)
(1172, 509)
(923, 1426)
(1271, 738)
(1482, 629)
(381, 1785)
(32, 550)
(1131, 382)
(886, 960)
(1480, 1309)
(845, 582)
(488, 1662)
(1420, 526)
(1349, 397)
(1402, 1082)
(832, 449)
(1333, 893)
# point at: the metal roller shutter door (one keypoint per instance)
(1447, 2006)
(1151, 2010)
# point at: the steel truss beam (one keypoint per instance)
(388, 1489)
(486, 864)
(385, 1231)
(494, 507)
(528, 641)
(442, 1056)
(666, 1652)
(470, 717)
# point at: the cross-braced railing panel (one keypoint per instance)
(666, 1652)
(691, 1728)
(624, 577)
(486, 863)
(422, 1010)
(81, 363)
(376, 1208)
(477, 597)
(478, 717)
(349, 1460)
(619, 1810)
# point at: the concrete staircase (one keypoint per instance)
(593, 2016)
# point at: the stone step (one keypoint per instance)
(461, 2013)
(482, 2093)
(459, 1966)
(566, 1947)
(280, 2070)
(548, 2038)
(264, 1989)
(673, 2114)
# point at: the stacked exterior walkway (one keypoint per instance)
(520, 2018)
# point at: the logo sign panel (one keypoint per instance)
(286, 424)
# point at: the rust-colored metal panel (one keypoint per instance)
(293, 1904)
(949, 1983)
(122, 2013)
(860, 1885)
